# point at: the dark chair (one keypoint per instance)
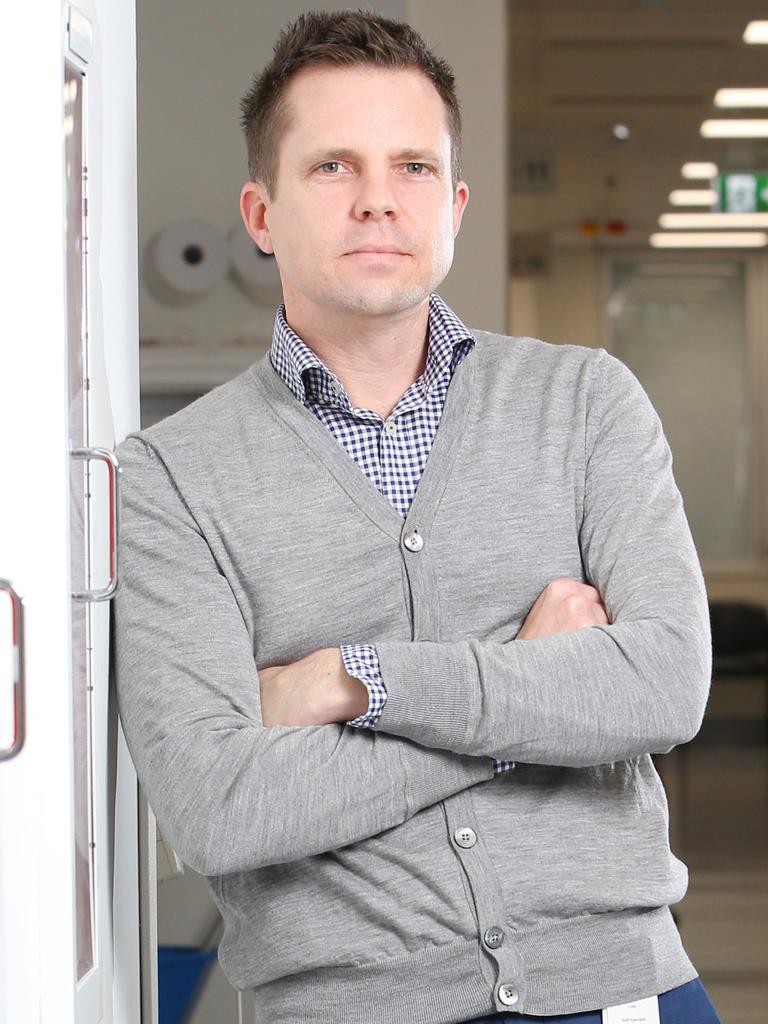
(739, 651)
(739, 642)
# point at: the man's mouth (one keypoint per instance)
(390, 250)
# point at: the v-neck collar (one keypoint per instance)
(324, 446)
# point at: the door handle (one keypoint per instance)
(115, 471)
(17, 611)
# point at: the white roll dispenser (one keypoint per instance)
(189, 258)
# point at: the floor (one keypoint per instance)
(717, 787)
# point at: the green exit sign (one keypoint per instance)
(742, 193)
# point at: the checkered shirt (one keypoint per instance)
(391, 453)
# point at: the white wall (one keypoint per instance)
(564, 305)
(472, 38)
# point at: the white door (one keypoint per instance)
(68, 391)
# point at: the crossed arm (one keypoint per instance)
(635, 682)
(216, 765)
(317, 690)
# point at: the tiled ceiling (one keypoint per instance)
(576, 67)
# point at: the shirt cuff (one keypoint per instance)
(362, 662)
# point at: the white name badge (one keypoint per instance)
(641, 1011)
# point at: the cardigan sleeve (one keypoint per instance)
(188, 694)
(362, 662)
(599, 694)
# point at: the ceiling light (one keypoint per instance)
(756, 32)
(709, 239)
(741, 98)
(693, 197)
(730, 128)
(621, 132)
(713, 220)
(700, 170)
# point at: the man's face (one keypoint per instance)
(364, 164)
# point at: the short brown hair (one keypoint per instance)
(341, 39)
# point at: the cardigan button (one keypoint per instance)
(493, 937)
(508, 994)
(465, 837)
(413, 541)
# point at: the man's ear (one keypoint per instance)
(254, 201)
(460, 200)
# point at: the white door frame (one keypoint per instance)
(37, 895)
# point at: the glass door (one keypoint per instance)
(681, 325)
(79, 505)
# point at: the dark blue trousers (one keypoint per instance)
(686, 1004)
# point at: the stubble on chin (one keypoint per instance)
(375, 303)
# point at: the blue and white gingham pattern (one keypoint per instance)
(391, 453)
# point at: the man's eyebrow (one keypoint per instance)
(325, 155)
(418, 154)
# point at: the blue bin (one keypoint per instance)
(181, 974)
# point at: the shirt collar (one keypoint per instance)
(292, 357)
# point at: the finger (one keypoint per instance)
(591, 593)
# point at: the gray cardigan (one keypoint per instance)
(386, 875)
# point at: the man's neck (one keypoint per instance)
(375, 358)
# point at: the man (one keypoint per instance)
(406, 607)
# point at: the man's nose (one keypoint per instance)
(375, 198)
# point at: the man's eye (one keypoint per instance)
(333, 164)
(419, 168)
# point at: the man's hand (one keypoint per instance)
(563, 606)
(315, 690)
